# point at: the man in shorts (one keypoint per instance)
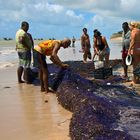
(49, 48)
(125, 45)
(23, 47)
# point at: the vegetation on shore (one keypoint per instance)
(116, 35)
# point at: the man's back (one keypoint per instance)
(21, 36)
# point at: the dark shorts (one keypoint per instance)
(124, 54)
(41, 60)
(104, 53)
(24, 59)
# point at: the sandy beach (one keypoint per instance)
(25, 115)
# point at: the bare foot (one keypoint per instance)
(84, 61)
(20, 82)
(51, 90)
(131, 84)
(42, 89)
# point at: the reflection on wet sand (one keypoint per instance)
(25, 116)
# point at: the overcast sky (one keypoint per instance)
(66, 18)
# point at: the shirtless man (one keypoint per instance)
(85, 43)
(49, 48)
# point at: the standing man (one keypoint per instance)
(23, 47)
(49, 48)
(125, 45)
(85, 43)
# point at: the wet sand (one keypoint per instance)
(129, 84)
(25, 116)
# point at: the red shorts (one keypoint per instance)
(124, 54)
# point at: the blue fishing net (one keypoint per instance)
(96, 106)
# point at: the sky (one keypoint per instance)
(66, 18)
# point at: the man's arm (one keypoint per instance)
(54, 57)
(22, 40)
(132, 42)
(95, 45)
(31, 38)
(82, 42)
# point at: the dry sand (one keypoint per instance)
(25, 116)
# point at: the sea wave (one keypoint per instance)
(7, 51)
(6, 64)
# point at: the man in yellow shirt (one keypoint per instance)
(49, 48)
(23, 47)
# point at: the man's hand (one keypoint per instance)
(65, 65)
(129, 52)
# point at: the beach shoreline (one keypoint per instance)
(24, 111)
(25, 115)
(116, 39)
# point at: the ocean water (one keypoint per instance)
(9, 57)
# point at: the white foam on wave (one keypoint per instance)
(7, 64)
(7, 51)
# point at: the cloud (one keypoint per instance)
(115, 8)
(68, 16)
(39, 11)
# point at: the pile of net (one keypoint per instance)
(100, 111)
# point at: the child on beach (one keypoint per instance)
(49, 48)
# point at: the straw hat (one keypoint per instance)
(134, 24)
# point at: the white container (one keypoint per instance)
(98, 64)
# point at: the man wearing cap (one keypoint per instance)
(49, 48)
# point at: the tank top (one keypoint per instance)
(100, 44)
(46, 47)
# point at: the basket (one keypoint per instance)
(102, 73)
